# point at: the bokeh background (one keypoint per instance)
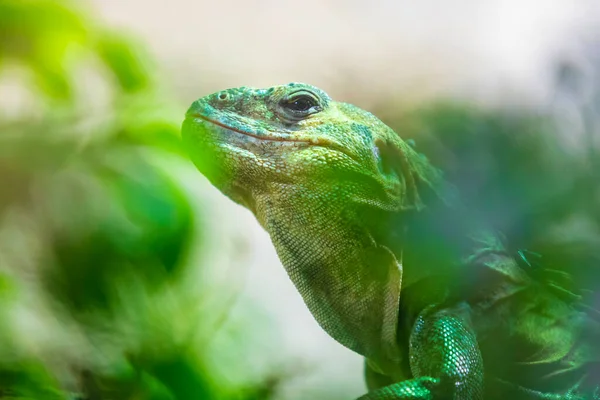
(125, 275)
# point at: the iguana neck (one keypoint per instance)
(350, 283)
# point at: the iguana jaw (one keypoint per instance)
(270, 136)
(275, 137)
(232, 131)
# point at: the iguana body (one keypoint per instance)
(386, 258)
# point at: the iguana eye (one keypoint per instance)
(300, 105)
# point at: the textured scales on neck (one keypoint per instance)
(325, 179)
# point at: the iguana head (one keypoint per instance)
(324, 179)
(244, 139)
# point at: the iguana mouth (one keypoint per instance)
(256, 136)
(310, 141)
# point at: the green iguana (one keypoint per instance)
(386, 258)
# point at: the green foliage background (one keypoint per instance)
(95, 293)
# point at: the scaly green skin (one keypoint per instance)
(357, 217)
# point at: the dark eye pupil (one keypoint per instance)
(301, 104)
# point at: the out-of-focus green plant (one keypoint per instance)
(94, 235)
(513, 170)
(48, 37)
(73, 66)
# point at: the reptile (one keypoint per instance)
(387, 259)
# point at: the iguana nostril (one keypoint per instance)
(222, 96)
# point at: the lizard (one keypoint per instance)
(386, 258)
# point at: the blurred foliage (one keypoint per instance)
(526, 171)
(43, 36)
(94, 235)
